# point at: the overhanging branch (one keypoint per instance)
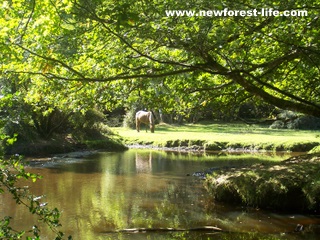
(52, 60)
(304, 106)
(284, 93)
(107, 79)
(213, 88)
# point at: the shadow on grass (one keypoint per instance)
(227, 128)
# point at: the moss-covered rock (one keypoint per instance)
(293, 184)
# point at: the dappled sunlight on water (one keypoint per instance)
(149, 189)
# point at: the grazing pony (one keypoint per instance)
(146, 118)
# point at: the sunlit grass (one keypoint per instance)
(219, 132)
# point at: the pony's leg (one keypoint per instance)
(151, 123)
(152, 127)
(138, 125)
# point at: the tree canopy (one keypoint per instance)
(74, 55)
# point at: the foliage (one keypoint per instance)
(11, 172)
(59, 132)
(89, 125)
(71, 56)
(129, 119)
(90, 129)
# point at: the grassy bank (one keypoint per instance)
(221, 136)
(293, 184)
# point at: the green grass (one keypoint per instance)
(215, 136)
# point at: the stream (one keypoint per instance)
(103, 192)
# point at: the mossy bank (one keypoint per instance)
(291, 185)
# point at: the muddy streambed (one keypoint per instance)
(101, 193)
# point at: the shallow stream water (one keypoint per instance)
(105, 192)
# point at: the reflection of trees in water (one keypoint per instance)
(144, 162)
(143, 189)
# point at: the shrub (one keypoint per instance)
(129, 119)
(291, 120)
(308, 122)
(90, 125)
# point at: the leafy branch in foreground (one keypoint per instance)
(11, 171)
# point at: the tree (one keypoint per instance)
(105, 52)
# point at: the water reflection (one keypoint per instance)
(143, 162)
(150, 189)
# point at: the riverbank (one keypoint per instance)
(221, 137)
(190, 137)
(289, 185)
(64, 144)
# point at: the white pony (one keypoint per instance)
(146, 118)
